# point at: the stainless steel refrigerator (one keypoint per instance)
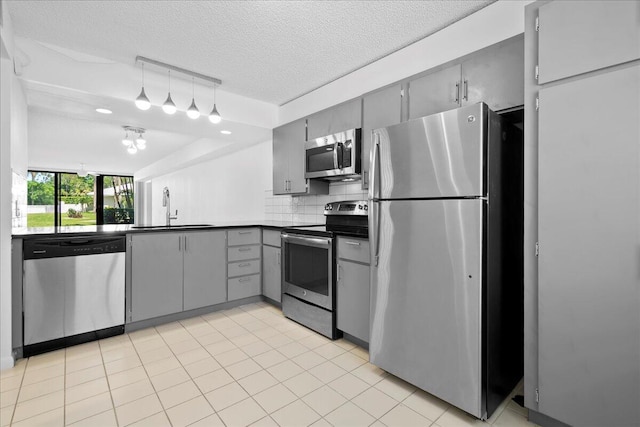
(446, 243)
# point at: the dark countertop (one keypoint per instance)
(116, 229)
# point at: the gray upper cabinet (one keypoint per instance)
(289, 161)
(381, 108)
(436, 92)
(335, 119)
(580, 36)
(495, 76)
(205, 272)
(156, 275)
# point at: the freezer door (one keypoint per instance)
(441, 155)
(426, 296)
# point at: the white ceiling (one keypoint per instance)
(270, 51)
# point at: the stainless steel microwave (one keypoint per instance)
(334, 157)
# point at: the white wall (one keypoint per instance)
(6, 74)
(228, 188)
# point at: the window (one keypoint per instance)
(66, 199)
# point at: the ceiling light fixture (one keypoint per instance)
(142, 102)
(135, 143)
(169, 107)
(225, 132)
(214, 116)
(104, 111)
(193, 112)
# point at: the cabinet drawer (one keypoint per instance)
(353, 249)
(243, 287)
(271, 238)
(243, 268)
(244, 236)
(240, 253)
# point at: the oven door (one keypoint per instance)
(307, 268)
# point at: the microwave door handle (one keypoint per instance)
(340, 155)
(335, 156)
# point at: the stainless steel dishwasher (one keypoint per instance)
(73, 291)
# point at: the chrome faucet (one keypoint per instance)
(166, 201)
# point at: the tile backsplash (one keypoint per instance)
(309, 208)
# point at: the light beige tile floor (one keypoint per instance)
(244, 366)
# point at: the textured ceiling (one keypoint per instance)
(273, 51)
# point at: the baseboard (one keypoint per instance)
(6, 362)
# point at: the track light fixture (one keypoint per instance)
(169, 106)
(142, 102)
(134, 143)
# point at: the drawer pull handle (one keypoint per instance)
(245, 279)
(244, 264)
(353, 243)
(245, 232)
(244, 249)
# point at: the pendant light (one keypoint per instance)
(169, 107)
(214, 116)
(141, 142)
(193, 111)
(142, 102)
(126, 141)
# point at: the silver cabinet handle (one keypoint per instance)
(179, 243)
(352, 243)
(244, 249)
(465, 95)
(244, 264)
(244, 279)
(457, 93)
(278, 257)
(245, 232)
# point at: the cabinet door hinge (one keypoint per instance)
(537, 249)
(537, 104)
(537, 396)
(537, 24)
(537, 72)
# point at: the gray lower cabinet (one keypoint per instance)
(156, 275)
(381, 108)
(271, 286)
(204, 269)
(174, 272)
(353, 289)
(245, 263)
(588, 207)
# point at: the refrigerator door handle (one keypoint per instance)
(375, 220)
(373, 174)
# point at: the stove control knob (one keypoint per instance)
(360, 207)
(366, 207)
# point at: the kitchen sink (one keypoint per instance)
(149, 227)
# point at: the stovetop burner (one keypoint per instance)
(347, 218)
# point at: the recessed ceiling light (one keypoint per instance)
(103, 111)
(225, 132)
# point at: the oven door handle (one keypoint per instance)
(306, 240)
